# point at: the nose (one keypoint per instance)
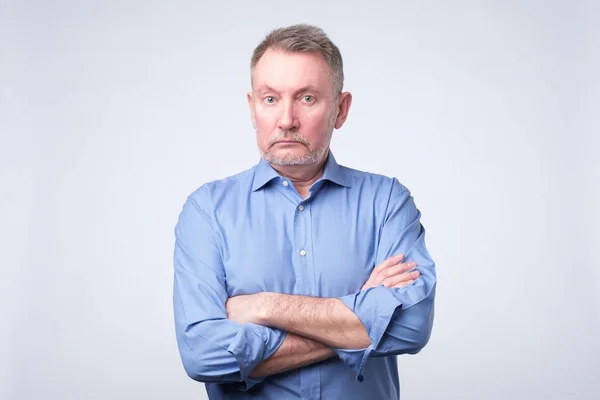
(287, 118)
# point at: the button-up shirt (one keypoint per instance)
(252, 232)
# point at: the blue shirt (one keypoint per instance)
(252, 232)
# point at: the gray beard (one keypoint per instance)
(311, 157)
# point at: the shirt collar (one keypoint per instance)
(264, 173)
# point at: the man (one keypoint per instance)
(300, 278)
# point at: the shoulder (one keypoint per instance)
(378, 183)
(206, 196)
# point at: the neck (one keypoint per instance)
(302, 176)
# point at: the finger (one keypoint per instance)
(400, 280)
(402, 284)
(397, 269)
(396, 279)
(389, 262)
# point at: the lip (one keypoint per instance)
(286, 142)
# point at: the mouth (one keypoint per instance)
(287, 142)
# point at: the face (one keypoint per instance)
(293, 107)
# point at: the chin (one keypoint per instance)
(290, 158)
(290, 153)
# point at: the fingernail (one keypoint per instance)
(415, 273)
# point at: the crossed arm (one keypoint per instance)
(314, 325)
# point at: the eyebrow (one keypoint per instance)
(308, 88)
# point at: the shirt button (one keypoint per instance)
(302, 252)
(301, 207)
(285, 183)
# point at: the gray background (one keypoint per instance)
(112, 112)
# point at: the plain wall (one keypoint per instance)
(112, 112)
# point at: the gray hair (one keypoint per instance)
(304, 38)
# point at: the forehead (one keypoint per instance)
(289, 71)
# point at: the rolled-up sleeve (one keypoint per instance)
(398, 321)
(212, 347)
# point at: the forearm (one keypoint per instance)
(294, 352)
(326, 320)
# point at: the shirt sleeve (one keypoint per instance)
(398, 321)
(212, 347)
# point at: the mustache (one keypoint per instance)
(287, 135)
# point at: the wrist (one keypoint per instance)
(265, 308)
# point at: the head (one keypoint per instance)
(296, 100)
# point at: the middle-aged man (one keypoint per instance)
(300, 278)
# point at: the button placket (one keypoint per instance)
(311, 376)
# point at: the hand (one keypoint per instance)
(392, 273)
(245, 308)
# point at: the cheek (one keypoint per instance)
(264, 127)
(264, 120)
(316, 121)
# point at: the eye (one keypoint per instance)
(269, 100)
(308, 99)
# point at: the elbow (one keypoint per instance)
(204, 370)
(424, 322)
(422, 332)
(420, 341)
(197, 369)
(416, 326)
(201, 363)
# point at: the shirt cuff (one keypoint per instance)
(253, 344)
(375, 308)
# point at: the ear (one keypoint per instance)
(344, 103)
(251, 107)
